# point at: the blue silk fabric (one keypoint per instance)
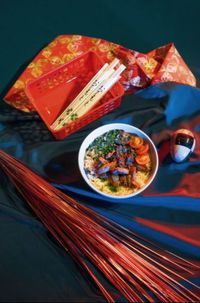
(33, 267)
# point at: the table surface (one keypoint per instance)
(33, 266)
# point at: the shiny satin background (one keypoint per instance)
(33, 266)
(173, 198)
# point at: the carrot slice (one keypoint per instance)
(136, 142)
(142, 159)
(143, 149)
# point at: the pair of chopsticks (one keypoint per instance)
(97, 87)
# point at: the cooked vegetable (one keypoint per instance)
(136, 142)
(143, 159)
(143, 149)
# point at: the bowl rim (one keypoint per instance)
(105, 127)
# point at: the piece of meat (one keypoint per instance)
(104, 169)
(129, 160)
(141, 167)
(114, 180)
(129, 180)
(120, 171)
(121, 161)
(102, 160)
(123, 180)
(110, 155)
(119, 151)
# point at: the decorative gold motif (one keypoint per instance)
(53, 44)
(37, 67)
(150, 65)
(96, 41)
(36, 72)
(170, 68)
(111, 55)
(76, 37)
(55, 60)
(166, 77)
(93, 48)
(64, 39)
(31, 65)
(46, 52)
(38, 64)
(130, 59)
(67, 57)
(73, 46)
(103, 47)
(19, 84)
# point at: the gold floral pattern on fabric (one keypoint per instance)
(19, 84)
(160, 65)
(173, 69)
(46, 52)
(37, 67)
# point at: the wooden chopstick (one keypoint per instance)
(72, 110)
(86, 91)
(98, 95)
(95, 96)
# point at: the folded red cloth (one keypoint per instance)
(163, 64)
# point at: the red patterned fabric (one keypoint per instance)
(163, 64)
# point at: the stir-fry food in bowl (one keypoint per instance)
(118, 163)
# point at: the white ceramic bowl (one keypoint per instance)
(130, 129)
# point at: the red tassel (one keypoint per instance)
(134, 266)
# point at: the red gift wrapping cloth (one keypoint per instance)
(163, 64)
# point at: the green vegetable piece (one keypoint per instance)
(113, 188)
(73, 117)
